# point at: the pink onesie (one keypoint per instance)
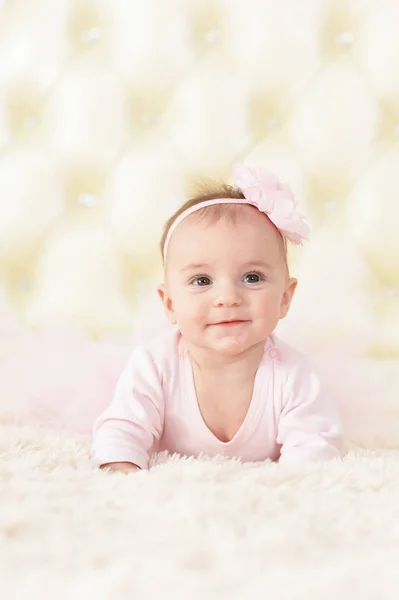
(155, 408)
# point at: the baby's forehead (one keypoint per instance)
(228, 221)
(243, 231)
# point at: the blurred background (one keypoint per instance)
(111, 110)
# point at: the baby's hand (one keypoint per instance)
(121, 467)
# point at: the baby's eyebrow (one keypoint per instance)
(246, 265)
(194, 267)
(258, 263)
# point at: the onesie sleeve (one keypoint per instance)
(128, 428)
(309, 428)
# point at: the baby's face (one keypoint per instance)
(226, 285)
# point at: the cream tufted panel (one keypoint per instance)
(109, 110)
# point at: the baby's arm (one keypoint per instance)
(122, 467)
(124, 434)
(309, 428)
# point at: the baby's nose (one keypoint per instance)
(227, 295)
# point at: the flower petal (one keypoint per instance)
(263, 189)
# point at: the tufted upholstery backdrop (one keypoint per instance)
(109, 111)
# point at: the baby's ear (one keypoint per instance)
(287, 297)
(167, 303)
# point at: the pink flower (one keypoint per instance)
(263, 190)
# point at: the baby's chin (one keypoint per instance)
(231, 345)
(230, 349)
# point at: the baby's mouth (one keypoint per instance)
(230, 323)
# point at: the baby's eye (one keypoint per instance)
(201, 281)
(253, 277)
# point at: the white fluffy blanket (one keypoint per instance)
(187, 529)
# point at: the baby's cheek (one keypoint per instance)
(191, 315)
(268, 306)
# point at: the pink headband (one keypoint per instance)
(264, 191)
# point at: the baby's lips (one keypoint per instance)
(223, 321)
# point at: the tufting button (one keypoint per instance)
(149, 118)
(391, 292)
(273, 123)
(88, 200)
(331, 205)
(92, 34)
(212, 36)
(30, 122)
(25, 284)
(346, 38)
(5, 139)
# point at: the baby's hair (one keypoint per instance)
(214, 212)
(205, 192)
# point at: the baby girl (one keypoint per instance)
(220, 382)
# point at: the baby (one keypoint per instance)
(220, 382)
